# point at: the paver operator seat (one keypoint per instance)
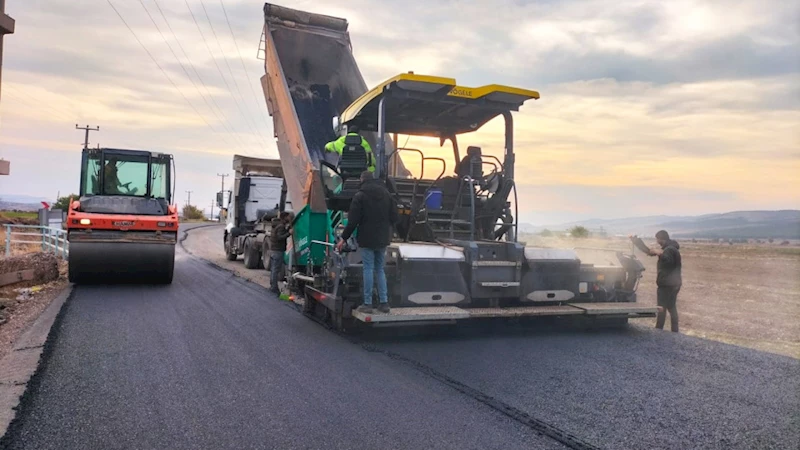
(354, 158)
(471, 164)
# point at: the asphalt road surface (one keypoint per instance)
(213, 361)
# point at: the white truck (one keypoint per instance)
(258, 194)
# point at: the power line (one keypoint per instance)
(235, 79)
(184, 69)
(159, 66)
(42, 103)
(37, 105)
(214, 59)
(260, 106)
(197, 74)
(16, 98)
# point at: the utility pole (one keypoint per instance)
(87, 129)
(223, 183)
(7, 26)
(212, 209)
(189, 199)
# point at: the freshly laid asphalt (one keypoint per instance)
(213, 361)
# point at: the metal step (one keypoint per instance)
(413, 314)
(503, 284)
(448, 221)
(596, 309)
(443, 313)
(494, 263)
(520, 311)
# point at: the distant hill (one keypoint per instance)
(23, 199)
(22, 202)
(783, 224)
(11, 206)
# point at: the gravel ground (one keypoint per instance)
(206, 242)
(216, 362)
(747, 295)
(17, 315)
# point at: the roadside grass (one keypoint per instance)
(19, 215)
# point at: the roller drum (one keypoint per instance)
(127, 262)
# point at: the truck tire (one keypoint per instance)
(230, 255)
(251, 257)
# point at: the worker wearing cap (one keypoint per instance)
(338, 145)
(281, 230)
(668, 278)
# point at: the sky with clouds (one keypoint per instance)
(647, 107)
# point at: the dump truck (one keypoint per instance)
(258, 195)
(454, 254)
(124, 226)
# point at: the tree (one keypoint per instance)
(546, 233)
(63, 202)
(191, 212)
(579, 232)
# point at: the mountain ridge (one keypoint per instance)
(753, 224)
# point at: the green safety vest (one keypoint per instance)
(338, 145)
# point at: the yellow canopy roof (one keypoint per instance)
(433, 106)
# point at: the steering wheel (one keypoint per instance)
(129, 190)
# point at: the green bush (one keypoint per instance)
(191, 212)
(579, 232)
(63, 202)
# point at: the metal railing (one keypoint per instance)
(48, 238)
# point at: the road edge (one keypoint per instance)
(21, 364)
(293, 303)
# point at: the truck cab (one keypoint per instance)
(258, 196)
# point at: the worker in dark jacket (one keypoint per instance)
(668, 279)
(373, 212)
(281, 230)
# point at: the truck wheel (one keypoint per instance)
(230, 255)
(251, 257)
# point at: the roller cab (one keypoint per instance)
(123, 227)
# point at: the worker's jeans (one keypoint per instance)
(667, 299)
(275, 269)
(374, 261)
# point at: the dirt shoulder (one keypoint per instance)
(206, 243)
(745, 295)
(22, 303)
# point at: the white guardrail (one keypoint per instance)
(49, 238)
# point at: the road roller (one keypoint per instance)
(123, 227)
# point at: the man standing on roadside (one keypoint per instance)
(281, 230)
(668, 279)
(373, 212)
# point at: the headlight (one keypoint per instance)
(86, 222)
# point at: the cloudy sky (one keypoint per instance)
(647, 107)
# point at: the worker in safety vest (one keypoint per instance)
(338, 145)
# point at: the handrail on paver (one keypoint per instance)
(51, 239)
